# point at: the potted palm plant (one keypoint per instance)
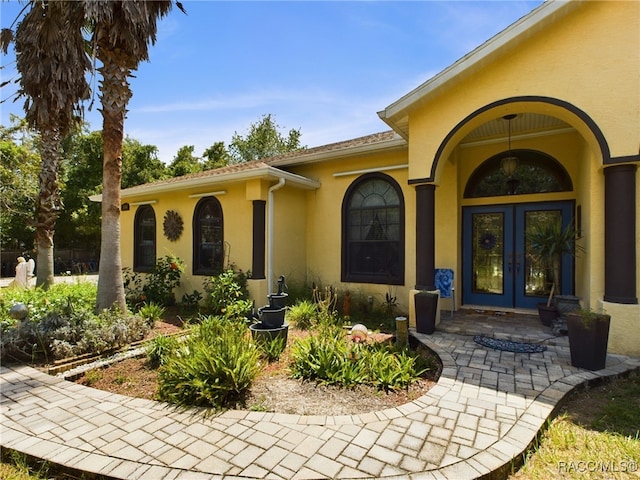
(588, 338)
(548, 242)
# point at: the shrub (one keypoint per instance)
(225, 289)
(156, 287)
(133, 283)
(191, 300)
(212, 368)
(61, 323)
(160, 349)
(163, 279)
(303, 314)
(151, 312)
(272, 348)
(238, 310)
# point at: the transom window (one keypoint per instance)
(208, 237)
(144, 252)
(536, 172)
(373, 231)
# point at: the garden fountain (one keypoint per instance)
(272, 324)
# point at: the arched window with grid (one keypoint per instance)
(373, 231)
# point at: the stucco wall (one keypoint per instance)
(324, 227)
(237, 217)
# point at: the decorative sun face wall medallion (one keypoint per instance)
(172, 225)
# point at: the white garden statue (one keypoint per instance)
(22, 274)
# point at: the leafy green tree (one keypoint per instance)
(185, 162)
(79, 224)
(19, 166)
(140, 164)
(216, 156)
(262, 141)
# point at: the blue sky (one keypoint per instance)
(322, 67)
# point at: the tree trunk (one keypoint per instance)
(115, 97)
(48, 207)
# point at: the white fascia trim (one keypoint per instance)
(531, 22)
(371, 170)
(208, 194)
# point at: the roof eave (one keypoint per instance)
(266, 172)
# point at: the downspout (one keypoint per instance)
(270, 221)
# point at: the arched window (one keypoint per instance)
(144, 252)
(208, 238)
(373, 231)
(537, 172)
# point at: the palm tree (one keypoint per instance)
(122, 33)
(52, 62)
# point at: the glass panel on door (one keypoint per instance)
(488, 253)
(488, 247)
(538, 277)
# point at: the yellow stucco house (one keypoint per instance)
(542, 121)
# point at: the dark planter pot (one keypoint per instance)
(567, 303)
(588, 339)
(263, 333)
(426, 310)
(278, 300)
(547, 314)
(271, 317)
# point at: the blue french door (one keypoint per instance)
(498, 268)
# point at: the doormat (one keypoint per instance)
(508, 345)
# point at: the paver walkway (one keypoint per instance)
(485, 410)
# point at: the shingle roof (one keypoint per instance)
(287, 159)
(299, 156)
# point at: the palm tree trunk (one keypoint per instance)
(555, 288)
(115, 96)
(48, 207)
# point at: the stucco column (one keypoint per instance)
(620, 258)
(425, 237)
(259, 227)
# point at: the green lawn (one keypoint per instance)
(596, 436)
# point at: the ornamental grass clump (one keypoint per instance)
(272, 348)
(303, 314)
(329, 357)
(212, 368)
(160, 349)
(152, 312)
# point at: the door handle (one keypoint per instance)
(518, 260)
(509, 261)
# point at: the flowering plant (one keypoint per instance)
(162, 281)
